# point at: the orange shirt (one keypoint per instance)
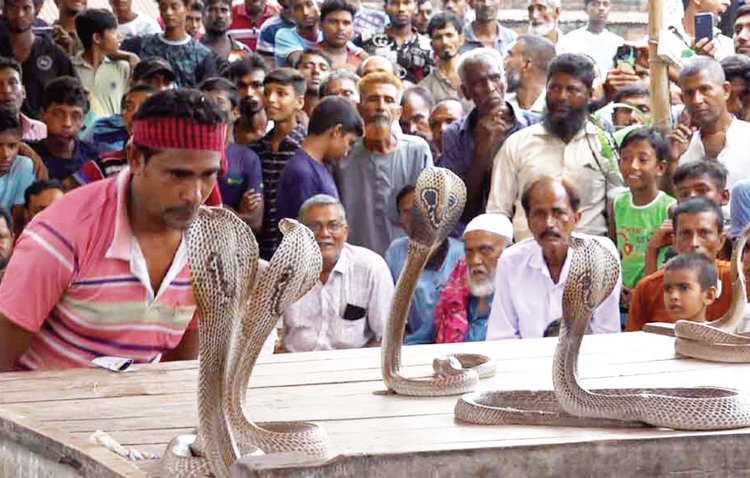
(647, 302)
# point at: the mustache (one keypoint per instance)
(550, 233)
(186, 209)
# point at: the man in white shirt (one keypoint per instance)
(530, 276)
(132, 24)
(565, 143)
(526, 72)
(720, 46)
(594, 39)
(348, 306)
(720, 136)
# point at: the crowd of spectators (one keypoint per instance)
(115, 127)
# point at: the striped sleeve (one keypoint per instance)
(43, 263)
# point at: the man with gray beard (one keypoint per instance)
(465, 300)
(543, 16)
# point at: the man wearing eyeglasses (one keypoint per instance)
(348, 305)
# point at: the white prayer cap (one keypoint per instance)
(495, 223)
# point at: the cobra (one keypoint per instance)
(439, 199)
(593, 274)
(238, 307)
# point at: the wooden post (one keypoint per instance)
(658, 69)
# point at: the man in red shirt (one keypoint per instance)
(247, 19)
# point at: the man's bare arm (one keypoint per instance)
(187, 350)
(14, 342)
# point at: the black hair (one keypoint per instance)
(289, 77)
(184, 103)
(631, 90)
(736, 66)
(403, 192)
(697, 169)
(704, 268)
(538, 49)
(743, 10)
(8, 219)
(10, 64)
(237, 69)
(442, 20)
(313, 51)
(221, 84)
(195, 5)
(65, 90)
(330, 6)
(574, 195)
(698, 205)
(38, 187)
(10, 121)
(332, 111)
(211, 2)
(420, 91)
(579, 66)
(654, 137)
(136, 89)
(91, 21)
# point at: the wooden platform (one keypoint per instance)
(374, 434)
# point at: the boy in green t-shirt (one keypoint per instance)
(644, 153)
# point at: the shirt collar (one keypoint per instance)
(121, 240)
(79, 60)
(340, 267)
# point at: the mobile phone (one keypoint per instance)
(704, 26)
(625, 54)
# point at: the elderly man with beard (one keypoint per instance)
(543, 17)
(443, 81)
(541, 264)
(217, 15)
(526, 70)
(566, 143)
(465, 300)
(469, 145)
(486, 30)
(248, 75)
(379, 165)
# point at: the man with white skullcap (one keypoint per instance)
(464, 306)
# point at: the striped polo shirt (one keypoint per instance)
(79, 282)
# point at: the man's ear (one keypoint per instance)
(336, 131)
(577, 218)
(727, 90)
(725, 195)
(661, 168)
(300, 102)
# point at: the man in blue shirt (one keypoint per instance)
(465, 300)
(334, 126)
(470, 145)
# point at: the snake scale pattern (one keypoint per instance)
(238, 307)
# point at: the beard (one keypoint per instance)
(541, 29)
(513, 78)
(249, 107)
(565, 126)
(484, 288)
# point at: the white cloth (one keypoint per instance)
(532, 153)
(360, 279)
(599, 46)
(141, 25)
(537, 107)
(526, 300)
(733, 156)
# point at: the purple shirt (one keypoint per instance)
(302, 178)
(243, 174)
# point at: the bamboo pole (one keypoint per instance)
(658, 69)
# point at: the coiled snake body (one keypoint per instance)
(439, 199)
(236, 316)
(593, 274)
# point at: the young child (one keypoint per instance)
(638, 212)
(334, 126)
(16, 171)
(63, 110)
(283, 99)
(690, 286)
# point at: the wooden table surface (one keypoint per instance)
(343, 391)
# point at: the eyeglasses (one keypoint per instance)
(334, 227)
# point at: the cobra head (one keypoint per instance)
(295, 266)
(592, 277)
(439, 199)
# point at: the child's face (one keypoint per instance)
(63, 121)
(639, 165)
(281, 102)
(683, 295)
(701, 186)
(9, 142)
(111, 41)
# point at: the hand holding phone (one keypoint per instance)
(704, 26)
